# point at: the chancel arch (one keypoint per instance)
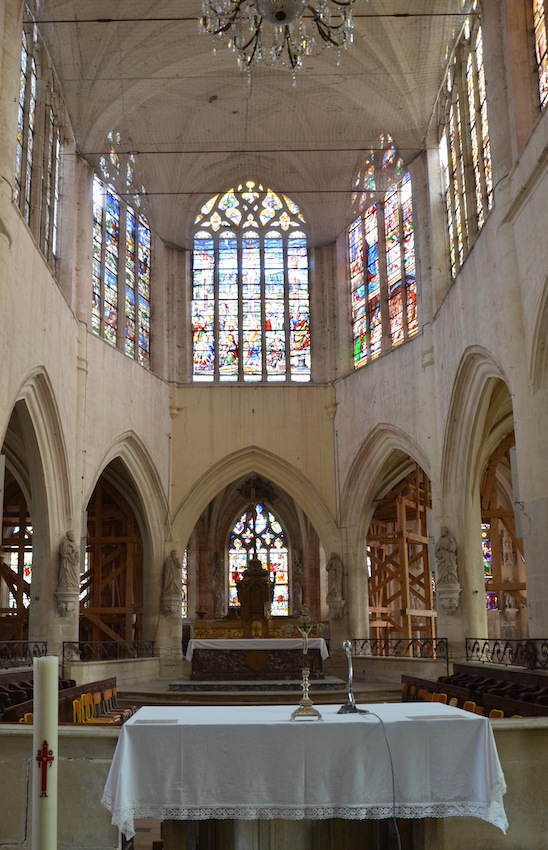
(252, 518)
(258, 461)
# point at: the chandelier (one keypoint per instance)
(289, 38)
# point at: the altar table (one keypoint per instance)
(253, 762)
(247, 658)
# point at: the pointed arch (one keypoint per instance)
(151, 501)
(387, 451)
(538, 355)
(474, 390)
(42, 426)
(270, 467)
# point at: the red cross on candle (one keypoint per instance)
(44, 758)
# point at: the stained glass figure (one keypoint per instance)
(381, 256)
(258, 533)
(250, 307)
(120, 274)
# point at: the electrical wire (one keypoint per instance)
(364, 711)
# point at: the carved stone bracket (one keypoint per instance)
(448, 596)
(336, 608)
(171, 604)
(67, 602)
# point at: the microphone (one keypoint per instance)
(350, 707)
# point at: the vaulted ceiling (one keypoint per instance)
(198, 126)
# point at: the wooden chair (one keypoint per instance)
(469, 705)
(478, 710)
(496, 712)
(442, 698)
(454, 702)
(28, 717)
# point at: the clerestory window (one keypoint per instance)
(540, 16)
(38, 150)
(465, 148)
(120, 274)
(381, 251)
(250, 307)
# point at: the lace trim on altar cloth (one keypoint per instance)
(124, 818)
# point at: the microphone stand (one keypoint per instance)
(350, 707)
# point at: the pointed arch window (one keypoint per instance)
(259, 534)
(540, 16)
(40, 117)
(250, 307)
(381, 250)
(465, 147)
(120, 274)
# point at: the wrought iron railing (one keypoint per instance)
(107, 650)
(20, 653)
(437, 648)
(529, 652)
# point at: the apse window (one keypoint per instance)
(250, 306)
(258, 534)
(465, 150)
(120, 274)
(381, 248)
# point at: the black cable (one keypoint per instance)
(394, 819)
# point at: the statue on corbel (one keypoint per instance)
(68, 577)
(172, 579)
(334, 596)
(448, 587)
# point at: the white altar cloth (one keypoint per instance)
(256, 643)
(252, 762)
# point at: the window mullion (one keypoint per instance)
(386, 338)
(240, 313)
(263, 304)
(216, 311)
(287, 334)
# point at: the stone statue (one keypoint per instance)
(334, 578)
(172, 580)
(297, 597)
(69, 564)
(446, 558)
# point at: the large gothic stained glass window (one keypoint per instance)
(121, 274)
(250, 308)
(540, 16)
(465, 148)
(258, 533)
(382, 256)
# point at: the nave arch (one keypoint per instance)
(127, 523)
(38, 495)
(385, 460)
(476, 484)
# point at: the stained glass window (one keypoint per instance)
(382, 256)
(540, 16)
(120, 274)
(250, 304)
(491, 597)
(184, 584)
(465, 148)
(259, 534)
(38, 149)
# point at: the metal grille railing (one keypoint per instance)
(434, 648)
(531, 653)
(20, 653)
(107, 650)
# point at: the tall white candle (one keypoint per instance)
(45, 756)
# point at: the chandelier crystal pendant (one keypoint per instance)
(278, 32)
